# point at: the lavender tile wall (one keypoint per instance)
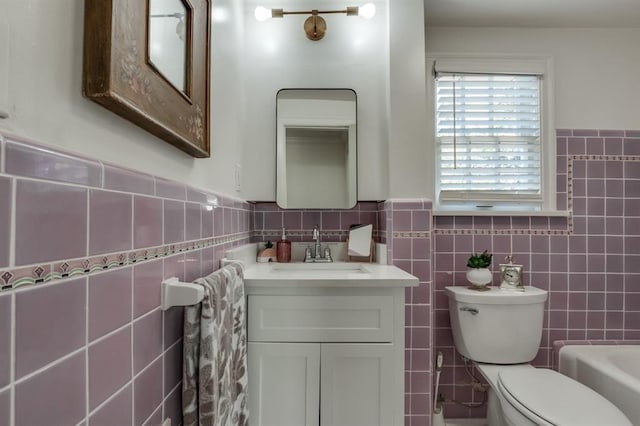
(5, 339)
(407, 226)
(147, 393)
(5, 407)
(588, 264)
(147, 221)
(146, 291)
(5, 219)
(147, 336)
(109, 366)
(51, 222)
(109, 221)
(117, 411)
(39, 162)
(60, 392)
(50, 322)
(109, 301)
(87, 321)
(269, 219)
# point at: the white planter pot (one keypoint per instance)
(479, 277)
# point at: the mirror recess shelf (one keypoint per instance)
(316, 149)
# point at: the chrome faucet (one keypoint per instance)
(316, 237)
(318, 255)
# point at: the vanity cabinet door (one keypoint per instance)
(357, 384)
(284, 384)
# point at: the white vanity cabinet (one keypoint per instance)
(326, 356)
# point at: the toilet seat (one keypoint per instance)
(549, 398)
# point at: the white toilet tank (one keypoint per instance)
(497, 326)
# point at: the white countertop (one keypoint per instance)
(336, 274)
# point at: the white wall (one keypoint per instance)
(353, 54)
(41, 74)
(407, 150)
(596, 70)
(41, 65)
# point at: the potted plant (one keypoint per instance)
(479, 274)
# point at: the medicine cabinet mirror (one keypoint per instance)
(316, 155)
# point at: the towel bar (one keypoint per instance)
(177, 293)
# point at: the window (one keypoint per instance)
(491, 149)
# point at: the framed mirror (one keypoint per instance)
(316, 149)
(148, 61)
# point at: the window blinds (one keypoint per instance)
(488, 136)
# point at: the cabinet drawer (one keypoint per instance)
(320, 318)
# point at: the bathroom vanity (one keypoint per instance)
(326, 343)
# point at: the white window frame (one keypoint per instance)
(501, 64)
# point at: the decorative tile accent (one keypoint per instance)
(14, 278)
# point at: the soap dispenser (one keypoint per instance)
(283, 249)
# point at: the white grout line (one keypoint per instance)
(130, 324)
(12, 361)
(86, 345)
(12, 224)
(50, 365)
(88, 212)
(162, 317)
(111, 397)
(3, 154)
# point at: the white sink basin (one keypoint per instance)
(316, 268)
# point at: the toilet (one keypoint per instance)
(500, 331)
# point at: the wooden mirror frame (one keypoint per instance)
(118, 74)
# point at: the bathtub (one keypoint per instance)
(611, 370)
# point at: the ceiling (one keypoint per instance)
(533, 13)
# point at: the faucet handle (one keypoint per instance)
(327, 254)
(307, 254)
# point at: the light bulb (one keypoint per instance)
(367, 10)
(262, 13)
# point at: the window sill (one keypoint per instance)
(543, 213)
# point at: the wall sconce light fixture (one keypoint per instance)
(315, 26)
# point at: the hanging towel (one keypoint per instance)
(214, 376)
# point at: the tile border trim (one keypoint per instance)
(45, 272)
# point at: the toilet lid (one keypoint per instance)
(548, 395)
